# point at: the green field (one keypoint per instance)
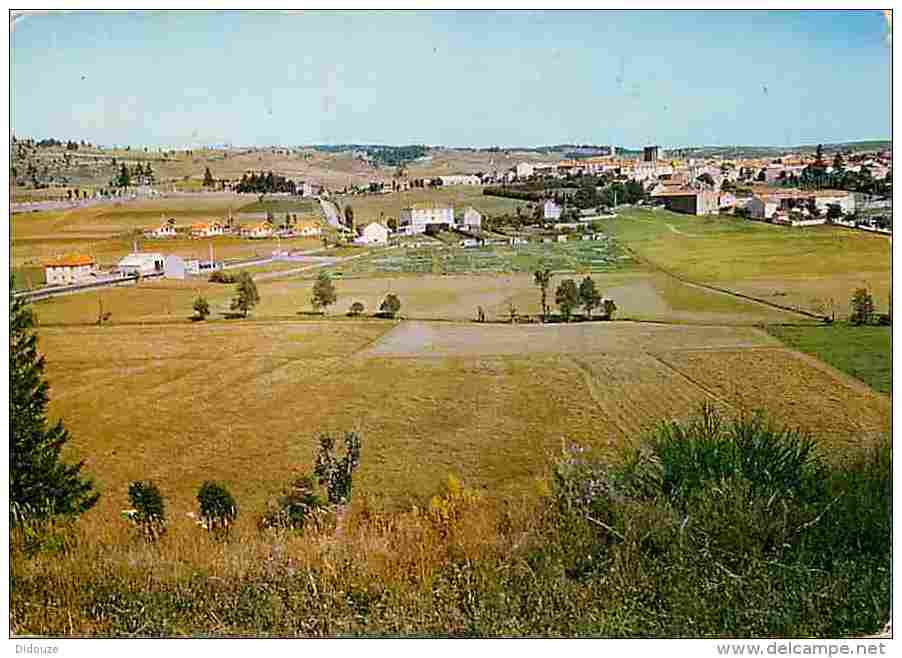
(572, 256)
(803, 268)
(863, 352)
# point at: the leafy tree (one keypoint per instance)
(839, 164)
(862, 304)
(201, 308)
(324, 294)
(542, 278)
(334, 473)
(356, 309)
(608, 308)
(149, 509)
(834, 211)
(391, 305)
(217, 507)
(589, 297)
(349, 217)
(567, 298)
(246, 295)
(124, 179)
(819, 157)
(208, 178)
(41, 485)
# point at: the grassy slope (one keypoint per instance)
(790, 266)
(863, 352)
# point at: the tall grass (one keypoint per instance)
(710, 528)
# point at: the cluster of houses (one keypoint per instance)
(75, 269)
(693, 186)
(421, 218)
(259, 230)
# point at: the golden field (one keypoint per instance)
(243, 402)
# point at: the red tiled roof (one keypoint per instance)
(69, 261)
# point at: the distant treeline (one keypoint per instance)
(268, 183)
(591, 192)
(71, 145)
(391, 156)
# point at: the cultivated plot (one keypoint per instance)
(243, 403)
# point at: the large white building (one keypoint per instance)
(373, 233)
(764, 205)
(416, 218)
(472, 219)
(68, 269)
(460, 179)
(551, 210)
(525, 170)
(143, 264)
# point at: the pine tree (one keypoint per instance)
(40, 483)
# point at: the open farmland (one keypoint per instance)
(108, 231)
(792, 266)
(573, 256)
(639, 294)
(242, 402)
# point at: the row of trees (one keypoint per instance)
(262, 184)
(324, 295)
(141, 174)
(569, 296)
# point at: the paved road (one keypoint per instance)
(331, 213)
(321, 262)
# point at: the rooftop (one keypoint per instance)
(69, 261)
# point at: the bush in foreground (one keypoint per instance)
(217, 507)
(695, 540)
(148, 511)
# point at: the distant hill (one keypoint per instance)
(770, 151)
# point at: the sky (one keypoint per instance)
(453, 78)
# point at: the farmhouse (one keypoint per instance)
(551, 210)
(416, 218)
(166, 230)
(143, 264)
(261, 230)
(472, 218)
(689, 202)
(309, 227)
(201, 230)
(524, 170)
(763, 205)
(68, 269)
(373, 233)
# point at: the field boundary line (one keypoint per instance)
(702, 387)
(852, 381)
(724, 291)
(586, 372)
